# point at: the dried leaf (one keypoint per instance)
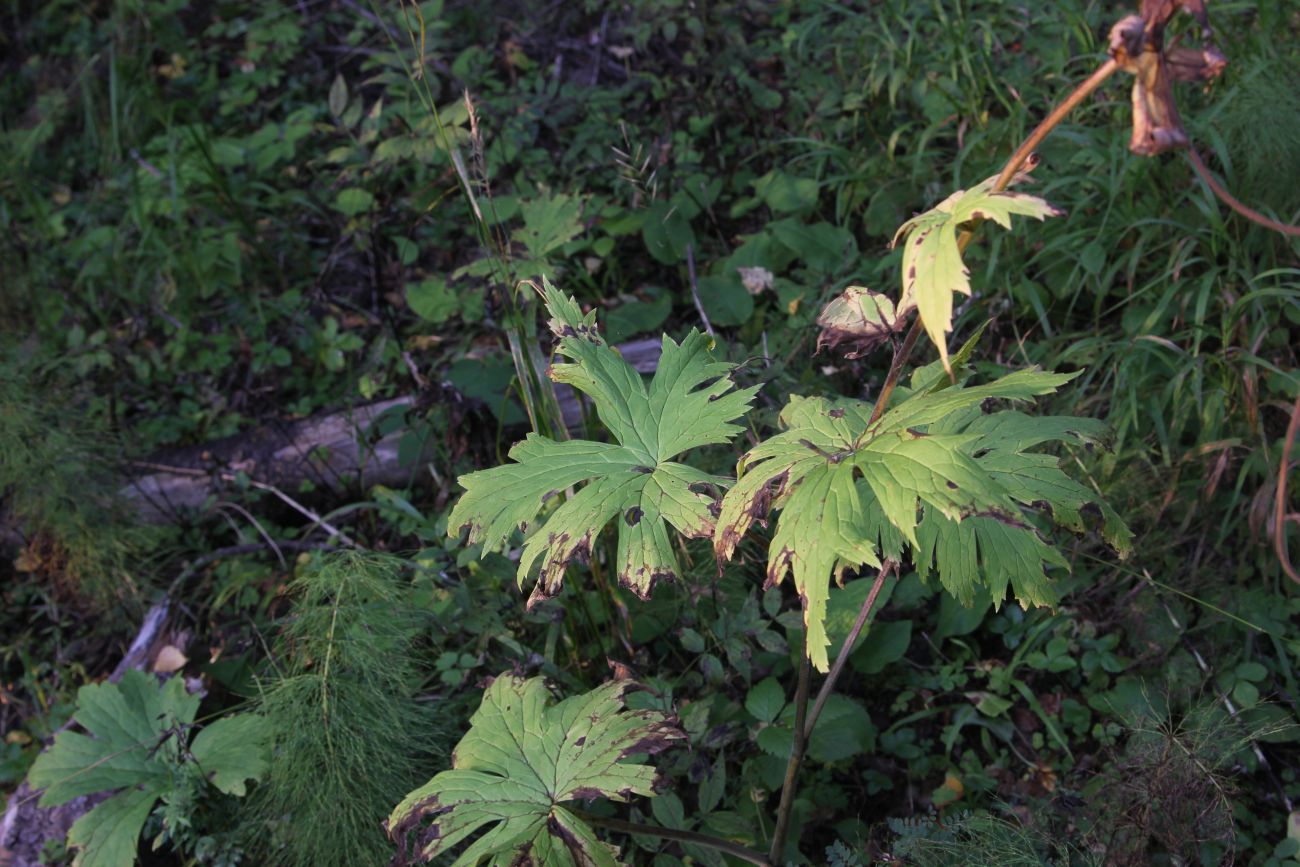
(1137, 45)
(756, 280)
(860, 319)
(170, 659)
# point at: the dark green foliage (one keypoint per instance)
(1259, 121)
(220, 215)
(57, 488)
(969, 840)
(351, 733)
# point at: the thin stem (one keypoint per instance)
(1280, 516)
(1232, 202)
(895, 370)
(735, 850)
(803, 720)
(695, 290)
(828, 686)
(791, 783)
(1018, 159)
(1078, 95)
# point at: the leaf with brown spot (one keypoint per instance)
(933, 472)
(691, 401)
(932, 266)
(522, 760)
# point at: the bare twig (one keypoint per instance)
(695, 289)
(261, 531)
(785, 810)
(335, 532)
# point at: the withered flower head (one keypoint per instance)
(1137, 45)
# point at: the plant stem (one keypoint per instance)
(1078, 95)
(895, 370)
(828, 686)
(1280, 516)
(791, 782)
(1233, 202)
(804, 721)
(735, 850)
(1018, 159)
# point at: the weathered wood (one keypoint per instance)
(323, 449)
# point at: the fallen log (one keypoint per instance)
(324, 449)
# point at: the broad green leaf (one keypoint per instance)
(432, 300)
(353, 201)
(234, 750)
(338, 96)
(725, 300)
(522, 759)
(932, 266)
(933, 472)
(125, 723)
(765, 699)
(549, 223)
(786, 194)
(886, 643)
(690, 402)
(135, 740)
(843, 730)
(845, 604)
(667, 233)
(822, 246)
(637, 317)
(109, 835)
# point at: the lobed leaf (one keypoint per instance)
(934, 472)
(521, 760)
(691, 401)
(932, 265)
(125, 723)
(135, 737)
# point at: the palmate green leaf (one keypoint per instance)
(109, 835)
(691, 401)
(126, 724)
(522, 759)
(234, 750)
(934, 473)
(134, 741)
(932, 266)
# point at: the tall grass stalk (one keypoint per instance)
(521, 326)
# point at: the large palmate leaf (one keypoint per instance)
(932, 264)
(933, 473)
(691, 401)
(521, 761)
(135, 739)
